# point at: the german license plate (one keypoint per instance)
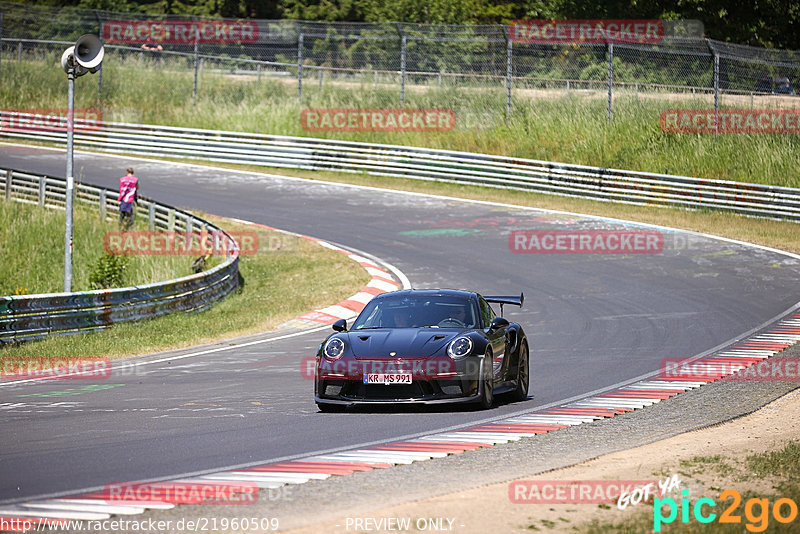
(387, 378)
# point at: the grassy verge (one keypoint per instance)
(286, 277)
(545, 124)
(34, 237)
(766, 477)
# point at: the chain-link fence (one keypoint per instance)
(392, 64)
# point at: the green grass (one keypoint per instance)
(285, 278)
(545, 124)
(32, 251)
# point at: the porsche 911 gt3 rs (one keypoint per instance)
(424, 346)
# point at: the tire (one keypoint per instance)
(523, 375)
(324, 407)
(487, 391)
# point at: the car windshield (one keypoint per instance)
(417, 311)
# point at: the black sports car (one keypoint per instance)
(423, 346)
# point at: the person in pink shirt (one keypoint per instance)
(128, 191)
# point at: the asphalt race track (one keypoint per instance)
(593, 320)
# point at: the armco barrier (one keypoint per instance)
(27, 317)
(426, 164)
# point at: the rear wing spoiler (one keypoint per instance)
(516, 301)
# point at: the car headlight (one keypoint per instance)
(334, 348)
(460, 347)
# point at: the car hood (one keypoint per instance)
(404, 342)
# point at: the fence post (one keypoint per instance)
(258, 68)
(19, 50)
(402, 63)
(171, 220)
(509, 71)
(9, 180)
(610, 77)
(320, 79)
(196, 65)
(103, 205)
(100, 70)
(299, 63)
(151, 216)
(716, 96)
(42, 185)
(715, 82)
(1, 42)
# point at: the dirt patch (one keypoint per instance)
(705, 461)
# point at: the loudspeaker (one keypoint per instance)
(85, 56)
(89, 51)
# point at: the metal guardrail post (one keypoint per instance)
(171, 220)
(42, 185)
(102, 205)
(19, 50)
(151, 216)
(610, 77)
(403, 43)
(9, 180)
(258, 70)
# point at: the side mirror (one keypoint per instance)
(341, 325)
(498, 324)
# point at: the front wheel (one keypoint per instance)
(523, 375)
(487, 392)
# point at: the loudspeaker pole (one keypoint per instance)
(70, 181)
(85, 56)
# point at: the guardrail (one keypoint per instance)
(27, 317)
(597, 183)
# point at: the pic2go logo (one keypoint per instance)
(756, 511)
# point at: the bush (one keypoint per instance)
(108, 271)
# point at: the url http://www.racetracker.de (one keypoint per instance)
(199, 524)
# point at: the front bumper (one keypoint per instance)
(461, 384)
